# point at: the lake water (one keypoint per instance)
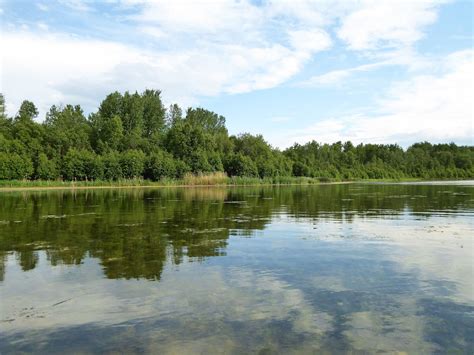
(359, 268)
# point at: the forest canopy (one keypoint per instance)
(133, 135)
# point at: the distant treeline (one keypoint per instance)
(135, 136)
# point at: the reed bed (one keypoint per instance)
(211, 179)
(217, 178)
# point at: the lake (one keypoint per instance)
(359, 268)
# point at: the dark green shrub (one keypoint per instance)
(240, 165)
(111, 166)
(132, 163)
(159, 165)
(46, 169)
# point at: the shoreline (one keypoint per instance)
(69, 186)
(147, 186)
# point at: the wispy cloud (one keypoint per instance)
(337, 76)
(405, 57)
(78, 5)
(210, 48)
(42, 6)
(436, 107)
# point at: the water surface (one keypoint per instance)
(333, 268)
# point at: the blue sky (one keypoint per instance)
(378, 71)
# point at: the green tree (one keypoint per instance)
(46, 169)
(112, 167)
(174, 115)
(15, 167)
(27, 111)
(81, 165)
(132, 163)
(131, 135)
(2, 106)
(107, 132)
(153, 114)
(181, 168)
(240, 165)
(160, 165)
(67, 128)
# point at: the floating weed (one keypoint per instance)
(54, 216)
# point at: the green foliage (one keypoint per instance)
(15, 167)
(160, 165)
(142, 118)
(132, 136)
(2, 106)
(81, 165)
(112, 167)
(345, 161)
(72, 165)
(215, 161)
(107, 132)
(198, 162)
(301, 169)
(27, 111)
(209, 121)
(240, 165)
(132, 163)
(254, 147)
(67, 128)
(94, 167)
(174, 115)
(181, 168)
(46, 169)
(266, 167)
(153, 113)
(21, 167)
(185, 138)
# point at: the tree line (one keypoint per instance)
(133, 135)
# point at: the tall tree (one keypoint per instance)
(153, 113)
(107, 132)
(174, 115)
(27, 111)
(68, 128)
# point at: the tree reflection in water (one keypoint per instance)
(135, 232)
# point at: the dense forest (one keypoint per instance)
(134, 136)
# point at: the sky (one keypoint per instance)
(380, 71)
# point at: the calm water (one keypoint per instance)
(361, 268)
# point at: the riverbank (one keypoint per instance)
(37, 185)
(204, 181)
(217, 180)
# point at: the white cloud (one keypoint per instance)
(35, 66)
(436, 107)
(42, 7)
(152, 31)
(402, 57)
(337, 76)
(183, 57)
(68, 69)
(309, 41)
(77, 5)
(203, 48)
(201, 16)
(387, 23)
(383, 30)
(42, 26)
